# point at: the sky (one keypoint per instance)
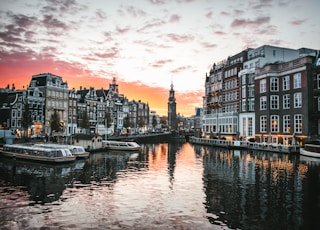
(144, 44)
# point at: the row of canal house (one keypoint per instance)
(48, 93)
(268, 94)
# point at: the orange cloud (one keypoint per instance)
(18, 69)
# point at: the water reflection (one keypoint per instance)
(256, 190)
(168, 185)
(44, 183)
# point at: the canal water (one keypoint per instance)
(166, 186)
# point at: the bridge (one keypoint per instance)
(152, 137)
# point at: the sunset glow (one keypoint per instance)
(145, 44)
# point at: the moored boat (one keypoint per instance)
(77, 151)
(34, 153)
(310, 150)
(121, 145)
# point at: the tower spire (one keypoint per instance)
(172, 114)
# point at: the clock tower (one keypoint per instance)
(172, 113)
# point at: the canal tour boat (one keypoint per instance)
(39, 154)
(310, 150)
(121, 145)
(77, 151)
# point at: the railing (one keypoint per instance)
(246, 145)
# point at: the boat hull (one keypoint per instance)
(43, 159)
(123, 149)
(305, 152)
(121, 146)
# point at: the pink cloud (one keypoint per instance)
(219, 33)
(157, 2)
(297, 22)
(160, 63)
(180, 69)
(247, 22)
(180, 38)
(134, 11)
(174, 18)
(122, 30)
(156, 23)
(209, 45)
(209, 15)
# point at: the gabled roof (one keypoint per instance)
(81, 94)
(102, 93)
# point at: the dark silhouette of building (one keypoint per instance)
(172, 112)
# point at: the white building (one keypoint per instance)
(257, 58)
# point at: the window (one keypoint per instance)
(318, 103)
(13, 114)
(298, 123)
(244, 92)
(244, 126)
(263, 86)
(250, 132)
(286, 83)
(274, 102)
(286, 123)
(251, 78)
(251, 104)
(251, 91)
(297, 100)
(263, 103)
(243, 79)
(263, 124)
(274, 84)
(274, 123)
(297, 81)
(286, 101)
(244, 104)
(318, 81)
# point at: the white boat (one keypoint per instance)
(35, 153)
(77, 151)
(310, 150)
(121, 145)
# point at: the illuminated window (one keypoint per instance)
(274, 123)
(286, 123)
(298, 123)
